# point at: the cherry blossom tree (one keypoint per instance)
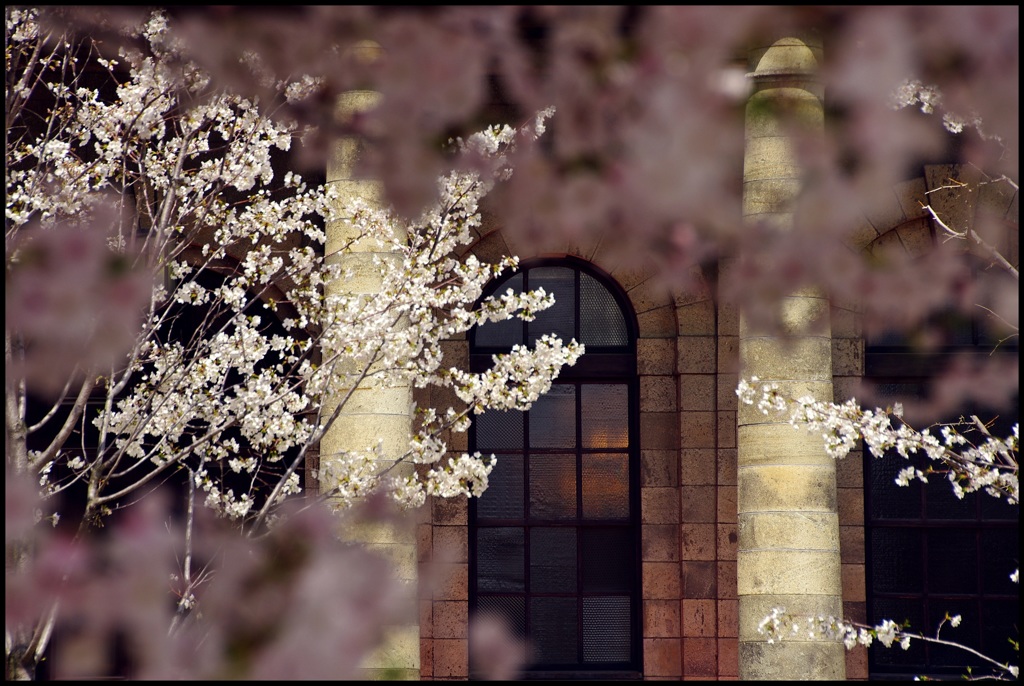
(643, 154)
(169, 316)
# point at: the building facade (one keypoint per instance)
(640, 523)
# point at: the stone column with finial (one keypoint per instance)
(788, 552)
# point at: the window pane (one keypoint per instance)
(1001, 548)
(606, 415)
(553, 486)
(552, 560)
(601, 320)
(507, 333)
(942, 503)
(510, 609)
(896, 560)
(947, 555)
(553, 630)
(560, 318)
(606, 486)
(499, 430)
(1001, 621)
(607, 559)
(952, 561)
(503, 498)
(889, 501)
(968, 633)
(499, 559)
(606, 629)
(553, 418)
(899, 610)
(997, 508)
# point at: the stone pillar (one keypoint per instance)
(788, 553)
(377, 411)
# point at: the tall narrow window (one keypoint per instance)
(554, 541)
(928, 552)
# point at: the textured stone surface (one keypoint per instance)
(911, 197)
(699, 618)
(780, 444)
(700, 579)
(795, 488)
(656, 356)
(697, 355)
(916, 236)
(660, 543)
(789, 530)
(661, 580)
(700, 657)
(808, 358)
(659, 430)
(697, 429)
(661, 619)
(697, 541)
(697, 466)
(451, 658)
(696, 319)
(885, 212)
(696, 504)
(659, 506)
(662, 657)
(659, 468)
(657, 323)
(792, 572)
(658, 393)
(400, 650)
(791, 660)
(754, 608)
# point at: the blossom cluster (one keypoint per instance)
(928, 98)
(988, 465)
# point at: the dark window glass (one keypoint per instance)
(508, 332)
(499, 559)
(605, 482)
(929, 552)
(601, 320)
(505, 487)
(605, 629)
(500, 429)
(584, 309)
(604, 422)
(553, 630)
(552, 487)
(608, 566)
(560, 318)
(553, 419)
(553, 560)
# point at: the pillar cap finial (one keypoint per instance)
(788, 56)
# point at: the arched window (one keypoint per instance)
(554, 541)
